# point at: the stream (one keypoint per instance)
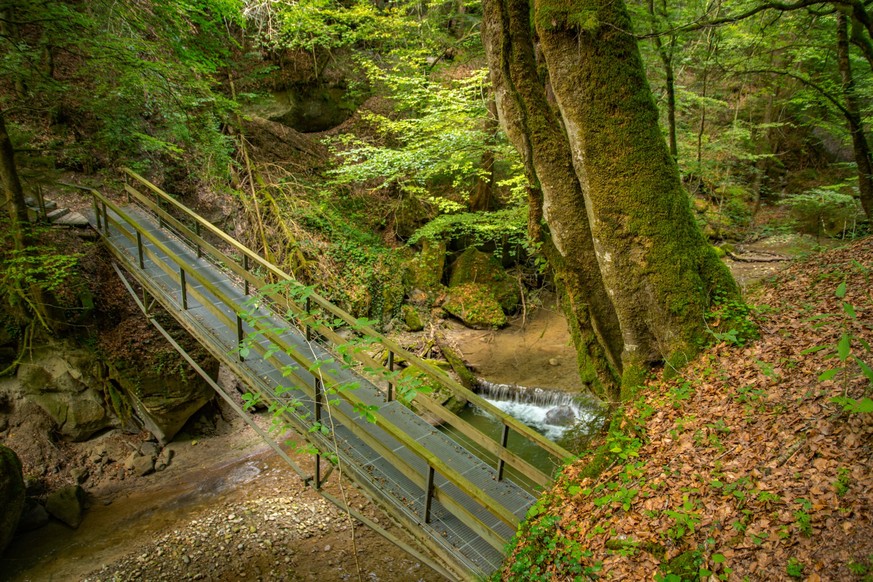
(552, 413)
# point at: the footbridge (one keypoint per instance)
(334, 380)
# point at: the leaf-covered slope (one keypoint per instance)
(744, 465)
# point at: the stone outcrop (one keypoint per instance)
(474, 266)
(12, 494)
(63, 381)
(66, 504)
(475, 305)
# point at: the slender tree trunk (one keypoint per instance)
(483, 195)
(669, 81)
(856, 127)
(558, 216)
(659, 270)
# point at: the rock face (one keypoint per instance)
(164, 399)
(65, 504)
(427, 270)
(11, 495)
(83, 396)
(62, 380)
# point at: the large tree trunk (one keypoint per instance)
(861, 148)
(660, 271)
(14, 193)
(555, 195)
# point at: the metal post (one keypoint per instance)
(317, 471)
(239, 336)
(504, 438)
(246, 269)
(428, 494)
(306, 325)
(318, 391)
(160, 208)
(139, 250)
(197, 231)
(105, 220)
(390, 369)
(184, 287)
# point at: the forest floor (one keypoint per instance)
(745, 465)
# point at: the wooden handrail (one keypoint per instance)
(435, 462)
(430, 371)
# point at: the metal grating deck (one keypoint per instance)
(359, 460)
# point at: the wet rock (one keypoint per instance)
(33, 517)
(66, 504)
(140, 464)
(560, 416)
(11, 494)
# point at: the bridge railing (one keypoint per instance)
(159, 204)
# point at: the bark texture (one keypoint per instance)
(604, 180)
(860, 147)
(558, 215)
(13, 192)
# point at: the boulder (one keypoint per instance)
(164, 398)
(33, 517)
(11, 495)
(474, 266)
(475, 306)
(560, 416)
(426, 271)
(66, 504)
(411, 318)
(60, 379)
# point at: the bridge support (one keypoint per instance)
(504, 438)
(428, 494)
(184, 288)
(390, 369)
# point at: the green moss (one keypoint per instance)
(686, 565)
(411, 318)
(475, 305)
(474, 266)
(719, 252)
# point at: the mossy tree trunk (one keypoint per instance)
(558, 216)
(12, 190)
(860, 147)
(611, 196)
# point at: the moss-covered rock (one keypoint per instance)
(11, 495)
(426, 272)
(474, 266)
(475, 305)
(412, 319)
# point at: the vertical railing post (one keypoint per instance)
(428, 494)
(504, 438)
(184, 288)
(318, 394)
(96, 211)
(197, 231)
(139, 251)
(390, 369)
(246, 269)
(317, 471)
(239, 336)
(105, 220)
(307, 307)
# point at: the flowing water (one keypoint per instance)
(550, 412)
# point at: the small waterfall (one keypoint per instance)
(551, 412)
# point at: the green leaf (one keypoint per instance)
(829, 374)
(862, 405)
(865, 369)
(841, 290)
(718, 558)
(812, 350)
(849, 309)
(844, 346)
